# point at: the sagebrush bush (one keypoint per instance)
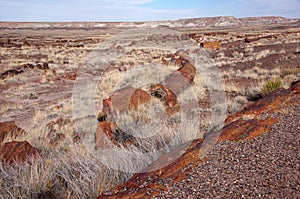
(271, 86)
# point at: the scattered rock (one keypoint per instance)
(250, 40)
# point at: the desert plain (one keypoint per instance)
(78, 97)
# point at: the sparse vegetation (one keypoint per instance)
(67, 169)
(271, 86)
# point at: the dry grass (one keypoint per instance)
(236, 104)
(65, 171)
(71, 171)
(59, 175)
(6, 108)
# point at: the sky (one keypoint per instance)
(141, 10)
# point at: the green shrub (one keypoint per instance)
(271, 86)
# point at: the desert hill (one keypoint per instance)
(213, 22)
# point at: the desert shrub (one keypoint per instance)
(70, 170)
(271, 86)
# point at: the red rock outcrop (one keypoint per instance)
(109, 132)
(245, 125)
(167, 97)
(130, 98)
(269, 103)
(18, 152)
(10, 129)
(211, 45)
(127, 98)
(241, 130)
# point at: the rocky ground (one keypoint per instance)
(261, 160)
(267, 166)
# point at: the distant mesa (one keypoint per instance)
(221, 21)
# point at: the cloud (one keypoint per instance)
(89, 10)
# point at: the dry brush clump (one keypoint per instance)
(270, 86)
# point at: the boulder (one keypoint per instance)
(18, 152)
(127, 98)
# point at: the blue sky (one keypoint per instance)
(141, 10)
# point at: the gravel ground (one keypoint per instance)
(264, 167)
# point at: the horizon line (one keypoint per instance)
(134, 21)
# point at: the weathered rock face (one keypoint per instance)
(253, 121)
(18, 152)
(221, 21)
(10, 129)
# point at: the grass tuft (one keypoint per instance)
(271, 86)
